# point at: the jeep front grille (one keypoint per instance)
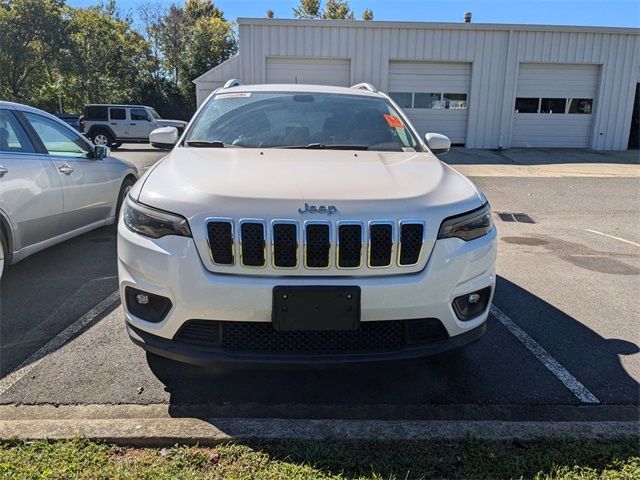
(345, 245)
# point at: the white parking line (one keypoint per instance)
(561, 373)
(56, 342)
(615, 238)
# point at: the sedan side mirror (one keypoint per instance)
(164, 137)
(100, 151)
(439, 144)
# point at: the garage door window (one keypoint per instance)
(427, 100)
(452, 101)
(553, 105)
(455, 101)
(527, 105)
(403, 99)
(581, 105)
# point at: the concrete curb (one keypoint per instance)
(151, 425)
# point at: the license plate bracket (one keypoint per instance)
(309, 308)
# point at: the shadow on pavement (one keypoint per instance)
(496, 370)
(46, 292)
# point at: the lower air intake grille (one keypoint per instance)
(258, 337)
(381, 245)
(285, 245)
(350, 246)
(221, 242)
(252, 244)
(411, 235)
(200, 332)
(318, 246)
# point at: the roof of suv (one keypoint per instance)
(115, 105)
(300, 88)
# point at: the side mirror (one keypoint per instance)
(437, 143)
(164, 137)
(100, 151)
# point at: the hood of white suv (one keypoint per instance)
(287, 184)
(237, 181)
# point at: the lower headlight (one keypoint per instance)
(468, 226)
(153, 223)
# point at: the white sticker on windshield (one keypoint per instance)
(221, 96)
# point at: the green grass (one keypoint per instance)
(468, 459)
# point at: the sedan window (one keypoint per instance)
(57, 138)
(13, 138)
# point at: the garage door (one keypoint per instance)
(317, 71)
(554, 105)
(433, 94)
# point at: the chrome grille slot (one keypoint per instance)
(380, 244)
(221, 242)
(318, 245)
(411, 240)
(253, 244)
(349, 245)
(285, 245)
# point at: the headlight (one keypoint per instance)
(153, 223)
(468, 226)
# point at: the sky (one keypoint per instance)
(610, 13)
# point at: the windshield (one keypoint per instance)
(300, 120)
(155, 114)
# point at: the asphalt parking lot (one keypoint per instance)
(562, 341)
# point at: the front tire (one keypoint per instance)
(102, 139)
(124, 191)
(4, 254)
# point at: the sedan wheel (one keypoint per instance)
(3, 252)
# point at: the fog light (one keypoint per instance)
(147, 306)
(142, 298)
(471, 305)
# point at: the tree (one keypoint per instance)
(107, 58)
(367, 14)
(307, 9)
(269, 14)
(337, 10)
(210, 43)
(192, 39)
(32, 43)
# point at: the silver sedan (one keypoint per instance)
(54, 184)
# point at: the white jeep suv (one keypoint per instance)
(113, 125)
(302, 223)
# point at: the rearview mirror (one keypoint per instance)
(164, 137)
(438, 144)
(100, 151)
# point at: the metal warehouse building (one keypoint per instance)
(483, 85)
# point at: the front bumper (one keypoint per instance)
(186, 353)
(171, 267)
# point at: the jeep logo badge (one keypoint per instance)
(322, 209)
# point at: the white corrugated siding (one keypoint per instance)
(434, 77)
(216, 78)
(558, 129)
(495, 52)
(316, 71)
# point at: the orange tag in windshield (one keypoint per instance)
(393, 121)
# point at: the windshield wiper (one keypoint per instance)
(208, 144)
(323, 146)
